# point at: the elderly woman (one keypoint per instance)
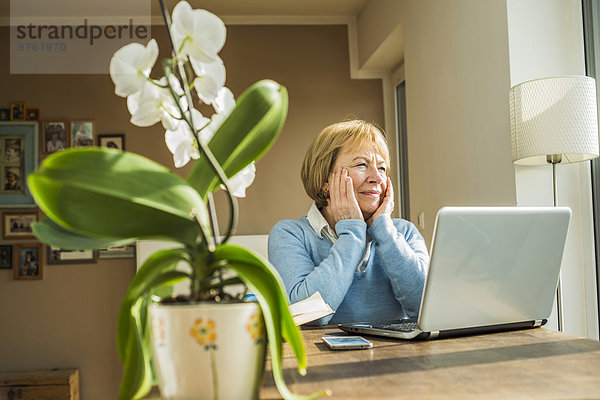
(366, 265)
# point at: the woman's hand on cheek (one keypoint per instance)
(342, 202)
(386, 206)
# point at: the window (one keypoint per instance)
(402, 191)
(591, 25)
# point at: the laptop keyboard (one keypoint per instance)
(406, 326)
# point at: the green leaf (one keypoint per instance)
(152, 274)
(226, 282)
(55, 235)
(106, 193)
(162, 292)
(246, 134)
(266, 284)
(136, 380)
(133, 344)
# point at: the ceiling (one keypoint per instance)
(223, 8)
(317, 8)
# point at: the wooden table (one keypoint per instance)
(529, 364)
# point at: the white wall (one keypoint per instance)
(380, 36)
(457, 80)
(546, 39)
(375, 49)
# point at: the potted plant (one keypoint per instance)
(99, 197)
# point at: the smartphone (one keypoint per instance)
(346, 342)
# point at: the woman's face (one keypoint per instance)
(367, 168)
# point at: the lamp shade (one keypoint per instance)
(554, 116)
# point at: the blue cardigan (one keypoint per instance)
(390, 286)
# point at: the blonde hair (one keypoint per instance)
(325, 148)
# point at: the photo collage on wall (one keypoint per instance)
(57, 135)
(25, 142)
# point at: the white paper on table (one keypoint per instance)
(310, 309)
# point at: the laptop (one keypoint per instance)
(491, 269)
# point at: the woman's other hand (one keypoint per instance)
(342, 202)
(387, 204)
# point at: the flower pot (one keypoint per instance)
(208, 350)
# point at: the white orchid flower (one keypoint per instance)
(210, 78)
(154, 103)
(130, 67)
(224, 102)
(242, 180)
(197, 33)
(181, 143)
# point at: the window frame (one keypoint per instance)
(591, 37)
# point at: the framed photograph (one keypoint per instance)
(13, 150)
(82, 133)
(33, 114)
(55, 255)
(17, 225)
(6, 256)
(27, 261)
(55, 136)
(17, 111)
(4, 114)
(13, 181)
(112, 140)
(18, 158)
(125, 251)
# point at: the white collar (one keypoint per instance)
(319, 224)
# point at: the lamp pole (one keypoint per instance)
(556, 159)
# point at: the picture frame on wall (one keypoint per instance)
(27, 261)
(18, 158)
(82, 133)
(124, 251)
(4, 114)
(6, 256)
(55, 256)
(17, 111)
(112, 140)
(17, 224)
(55, 136)
(33, 114)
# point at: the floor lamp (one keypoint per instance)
(554, 121)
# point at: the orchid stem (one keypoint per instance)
(212, 209)
(205, 150)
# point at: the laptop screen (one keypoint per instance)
(493, 265)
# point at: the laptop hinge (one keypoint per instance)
(433, 335)
(538, 322)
